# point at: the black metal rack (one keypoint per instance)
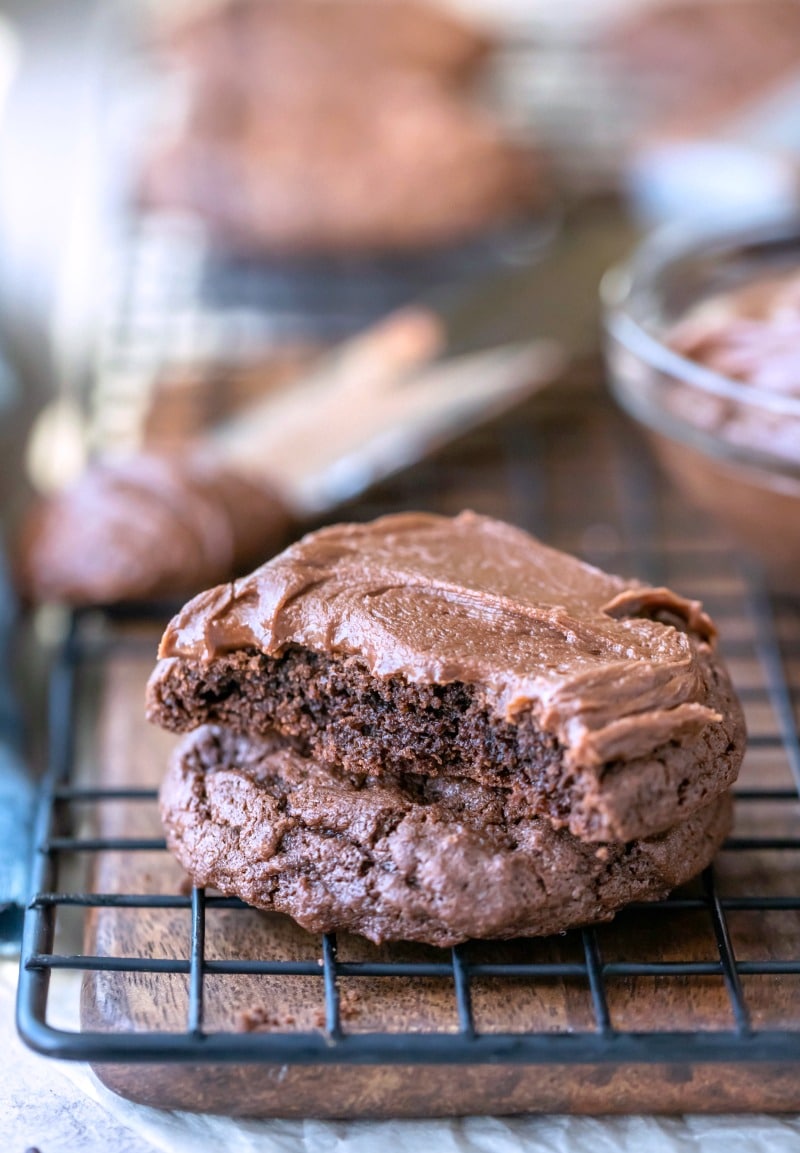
(580, 477)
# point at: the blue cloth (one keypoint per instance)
(17, 796)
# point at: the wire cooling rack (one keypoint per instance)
(580, 477)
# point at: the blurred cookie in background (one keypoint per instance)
(696, 63)
(234, 44)
(334, 126)
(390, 163)
(713, 98)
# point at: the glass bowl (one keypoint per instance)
(734, 448)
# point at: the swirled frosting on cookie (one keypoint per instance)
(610, 667)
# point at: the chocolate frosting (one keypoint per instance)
(750, 335)
(147, 526)
(608, 665)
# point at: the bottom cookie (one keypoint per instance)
(431, 860)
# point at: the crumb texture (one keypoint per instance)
(334, 710)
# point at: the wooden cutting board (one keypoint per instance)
(129, 751)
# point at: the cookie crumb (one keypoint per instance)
(349, 1006)
(257, 1019)
(254, 1019)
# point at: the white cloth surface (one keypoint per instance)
(60, 1107)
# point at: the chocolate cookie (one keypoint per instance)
(249, 42)
(692, 66)
(465, 648)
(335, 128)
(147, 527)
(391, 163)
(438, 860)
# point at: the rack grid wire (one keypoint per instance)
(571, 470)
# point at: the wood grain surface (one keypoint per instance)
(128, 751)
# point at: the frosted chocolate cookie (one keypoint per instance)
(692, 67)
(238, 43)
(390, 163)
(464, 648)
(435, 860)
(331, 129)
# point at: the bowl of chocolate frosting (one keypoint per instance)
(703, 349)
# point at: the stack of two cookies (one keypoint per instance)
(432, 729)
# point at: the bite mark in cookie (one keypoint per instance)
(465, 648)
